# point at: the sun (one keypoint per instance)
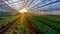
(23, 10)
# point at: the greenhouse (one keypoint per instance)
(29, 16)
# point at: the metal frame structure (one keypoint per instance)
(29, 4)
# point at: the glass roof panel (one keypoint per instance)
(31, 4)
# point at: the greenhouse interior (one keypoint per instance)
(29, 16)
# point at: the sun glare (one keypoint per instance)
(23, 10)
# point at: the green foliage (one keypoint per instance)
(9, 19)
(20, 27)
(43, 24)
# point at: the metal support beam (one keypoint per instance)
(47, 4)
(30, 3)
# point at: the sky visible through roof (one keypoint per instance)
(34, 4)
